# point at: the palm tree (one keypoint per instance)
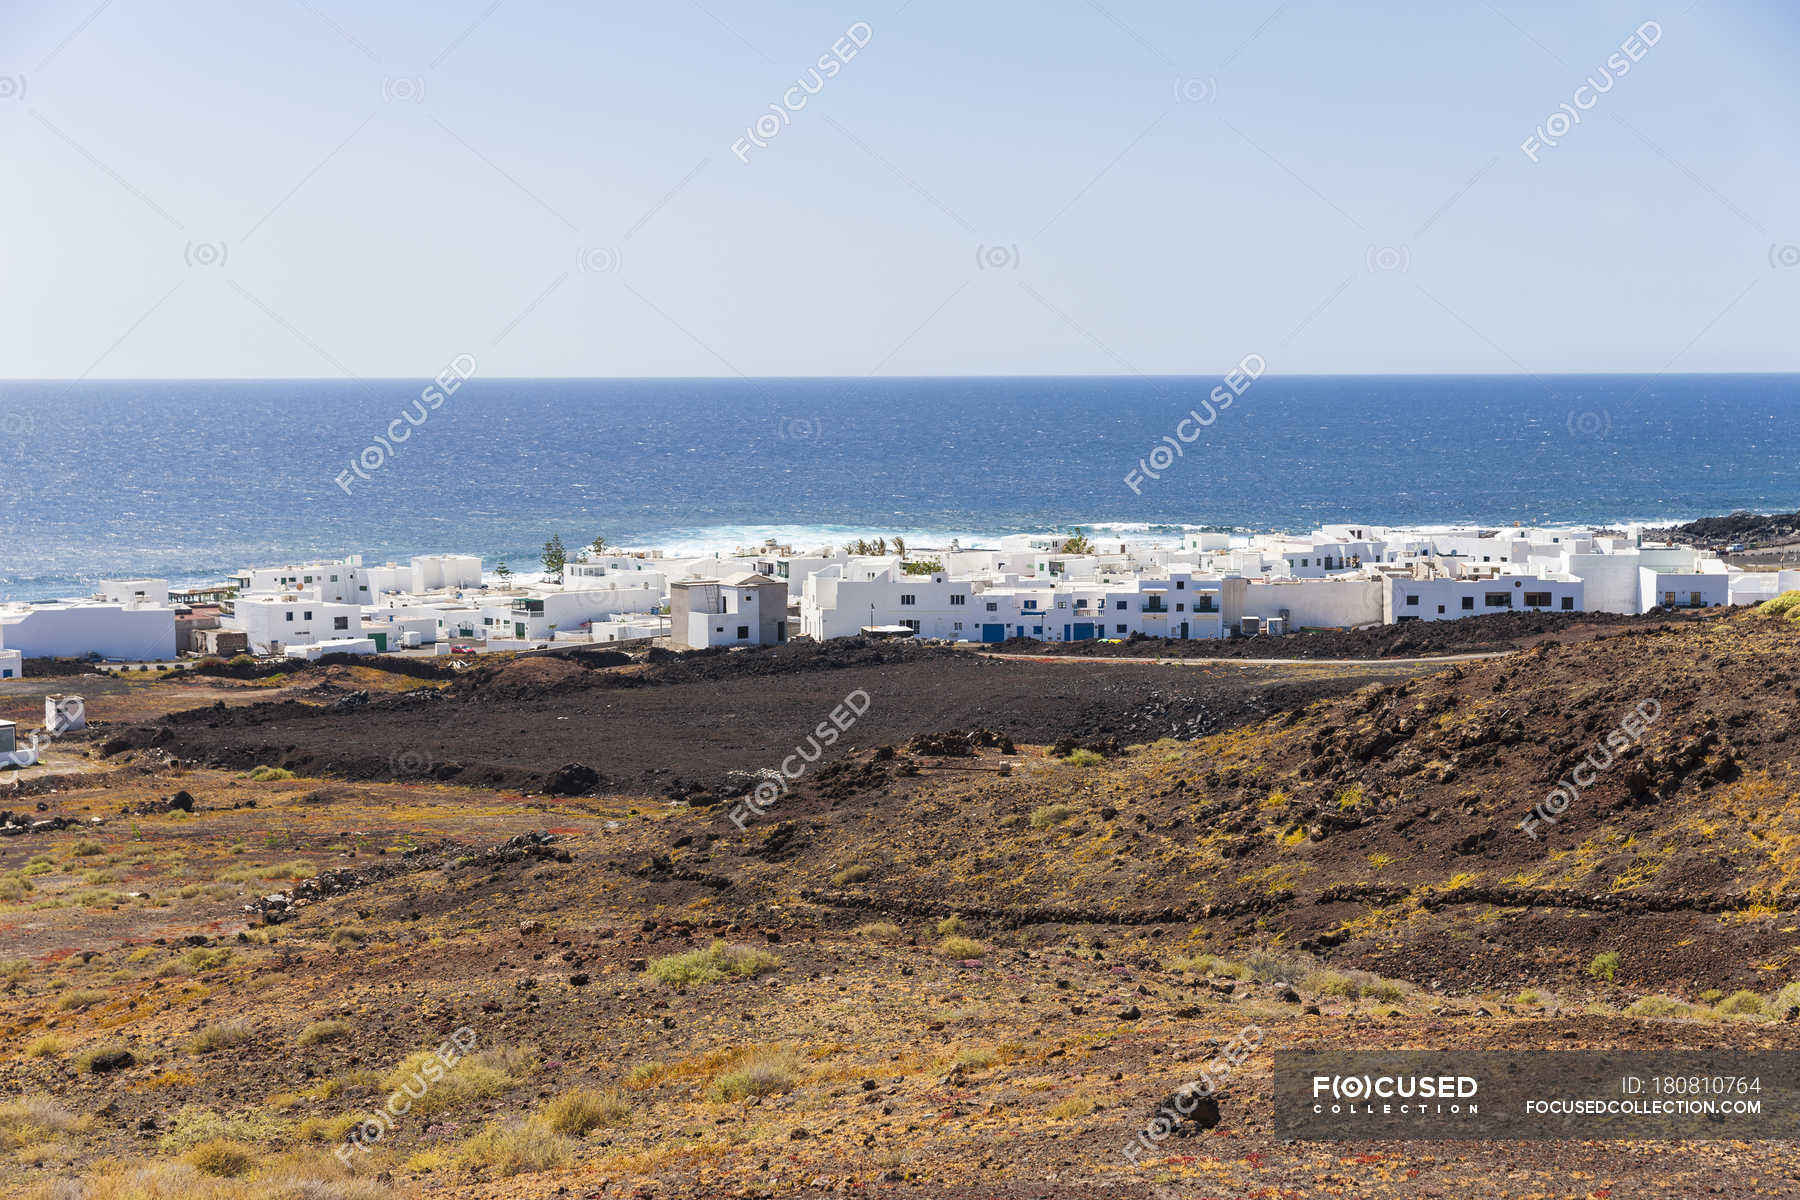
(1077, 544)
(899, 545)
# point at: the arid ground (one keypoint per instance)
(966, 955)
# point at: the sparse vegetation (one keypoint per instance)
(320, 1032)
(961, 947)
(1051, 814)
(1604, 966)
(513, 1149)
(1080, 757)
(222, 1036)
(270, 774)
(221, 1157)
(712, 964)
(759, 1071)
(580, 1110)
(855, 873)
(879, 931)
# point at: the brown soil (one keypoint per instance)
(1373, 830)
(709, 720)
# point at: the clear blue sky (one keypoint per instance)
(1159, 187)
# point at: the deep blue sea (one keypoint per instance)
(190, 480)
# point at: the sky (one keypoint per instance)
(314, 188)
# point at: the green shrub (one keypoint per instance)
(1785, 604)
(1742, 1003)
(712, 964)
(852, 874)
(1604, 966)
(270, 774)
(949, 925)
(961, 947)
(508, 1150)
(880, 931)
(1051, 814)
(80, 998)
(1083, 758)
(1665, 1007)
(207, 958)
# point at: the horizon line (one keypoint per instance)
(1138, 375)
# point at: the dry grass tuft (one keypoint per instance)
(580, 1110)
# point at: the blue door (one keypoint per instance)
(1084, 630)
(993, 633)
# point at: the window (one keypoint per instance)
(909, 599)
(1121, 605)
(1695, 600)
(1498, 600)
(334, 579)
(1121, 629)
(1180, 607)
(1180, 583)
(959, 598)
(309, 614)
(290, 614)
(957, 626)
(1412, 601)
(1568, 604)
(1669, 599)
(340, 622)
(1537, 599)
(912, 625)
(309, 579)
(1306, 562)
(1081, 602)
(1468, 603)
(992, 607)
(743, 631)
(1031, 604)
(1440, 609)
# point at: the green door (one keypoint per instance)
(380, 640)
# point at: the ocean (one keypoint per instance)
(191, 480)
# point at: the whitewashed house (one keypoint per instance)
(12, 664)
(1426, 596)
(79, 628)
(745, 609)
(272, 623)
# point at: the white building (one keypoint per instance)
(12, 664)
(1424, 597)
(313, 651)
(78, 629)
(741, 610)
(135, 591)
(273, 623)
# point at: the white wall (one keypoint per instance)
(1319, 603)
(271, 622)
(135, 591)
(1653, 586)
(77, 630)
